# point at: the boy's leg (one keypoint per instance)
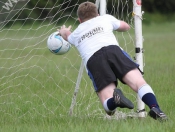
(111, 98)
(135, 80)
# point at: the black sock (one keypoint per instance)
(150, 100)
(111, 104)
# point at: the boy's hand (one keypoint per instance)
(65, 32)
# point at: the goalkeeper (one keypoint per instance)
(106, 62)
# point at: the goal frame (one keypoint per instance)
(137, 14)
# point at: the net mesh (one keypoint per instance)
(35, 83)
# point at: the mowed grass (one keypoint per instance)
(36, 87)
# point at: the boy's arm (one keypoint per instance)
(123, 27)
(65, 32)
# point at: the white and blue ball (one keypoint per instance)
(57, 45)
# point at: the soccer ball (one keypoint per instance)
(57, 45)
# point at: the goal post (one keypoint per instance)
(101, 5)
(137, 13)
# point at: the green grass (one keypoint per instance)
(36, 87)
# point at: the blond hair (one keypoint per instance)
(86, 11)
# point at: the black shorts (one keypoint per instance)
(107, 65)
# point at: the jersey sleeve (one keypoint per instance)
(115, 22)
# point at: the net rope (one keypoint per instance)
(36, 83)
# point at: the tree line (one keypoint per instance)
(58, 9)
(160, 6)
(66, 6)
(151, 6)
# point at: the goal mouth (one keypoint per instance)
(36, 83)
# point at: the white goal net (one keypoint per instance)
(35, 83)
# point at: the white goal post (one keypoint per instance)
(137, 14)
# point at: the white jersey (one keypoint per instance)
(92, 35)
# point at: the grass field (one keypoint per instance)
(36, 87)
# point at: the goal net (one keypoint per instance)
(35, 83)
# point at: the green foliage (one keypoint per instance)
(54, 11)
